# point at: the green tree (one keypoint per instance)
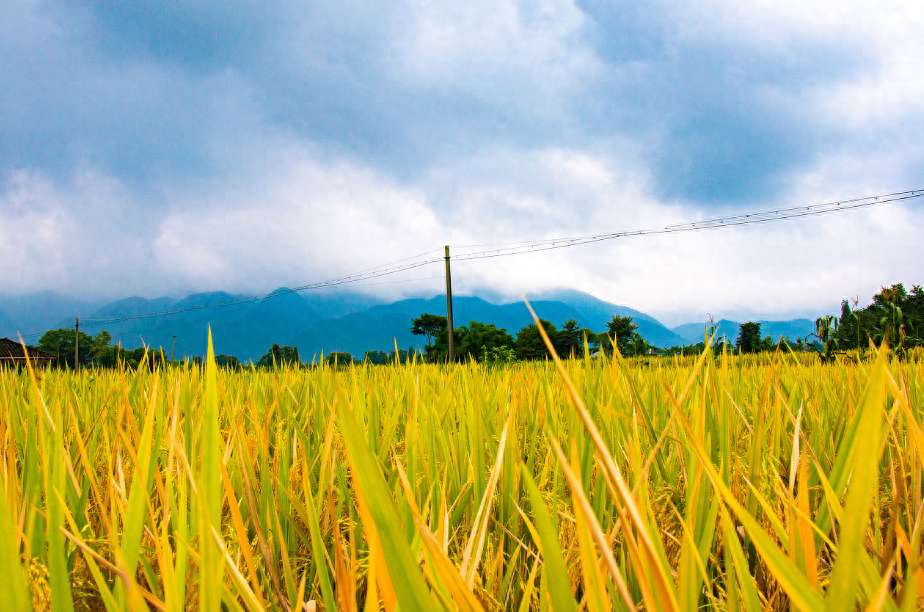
(101, 341)
(473, 339)
(623, 330)
(108, 357)
(895, 316)
(501, 355)
(134, 358)
(405, 356)
(279, 355)
(376, 357)
(339, 358)
(227, 361)
(429, 326)
(637, 346)
(570, 339)
(60, 342)
(853, 326)
(826, 332)
(894, 295)
(470, 341)
(529, 344)
(114, 356)
(893, 328)
(749, 337)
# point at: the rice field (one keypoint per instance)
(769, 482)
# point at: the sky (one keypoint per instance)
(162, 147)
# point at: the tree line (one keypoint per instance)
(895, 316)
(98, 351)
(485, 342)
(479, 341)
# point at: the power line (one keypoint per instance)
(532, 246)
(751, 218)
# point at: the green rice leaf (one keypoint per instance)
(864, 479)
(13, 588)
(212, 562)
(555, 574)
(406, 577)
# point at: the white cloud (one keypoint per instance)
(276, 166)
(887, 34)
(70, 238)
(295, 219)
(795, 267)
(494, 52)
(302, 221)
(769, 22)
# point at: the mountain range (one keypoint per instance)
(325, 321)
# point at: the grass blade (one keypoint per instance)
(554, 573)
(13, 589)
(209, 489)
(864, 480)
(406, 578)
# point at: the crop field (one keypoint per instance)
(771, 482)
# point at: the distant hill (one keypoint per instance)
(25, 314)
(326, 321)
(245, 330)
(793, 329)
(6, 320)
(333, 304)
(134, 306)
(378, 327)
(593, 307)
(348, 322)
(600, 312)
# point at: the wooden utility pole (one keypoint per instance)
(452, 343)
(173, 350)
(76, 342)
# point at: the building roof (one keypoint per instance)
(12, 350)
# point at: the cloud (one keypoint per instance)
(72, 237)
(295, 218)
(302, 221)
(793, 268)
(158, 147)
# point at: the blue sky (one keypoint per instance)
(160, 147)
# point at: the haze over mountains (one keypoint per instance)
(327, 321)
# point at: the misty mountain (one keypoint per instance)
(34, 313)
(380, 326)
(324, 321)
(332, 304)
(134, 306)
(593, 307)
(6, 320)
(244, 329)
(315, 322)
(599, 311)
(241, 325)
